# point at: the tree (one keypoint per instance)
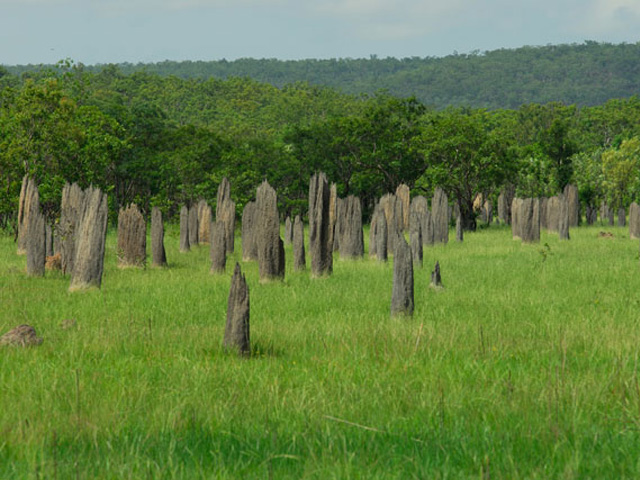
(465, 156)
(44, 133)
(369, 152)
(544, 134)
(559, 148)
(588, 175)
(621, 172)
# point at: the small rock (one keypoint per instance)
(21, 336)
(68, 323)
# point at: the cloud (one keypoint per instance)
(189, 4)
(392, 20)
(364, 19)
(613, 17)
(612, 9)
(337, 8)
(146, 4)
(123, 7)
(36, 3)
(373, 8)
(390, 31)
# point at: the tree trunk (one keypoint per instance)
(467, 215)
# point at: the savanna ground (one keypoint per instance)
(525, 366)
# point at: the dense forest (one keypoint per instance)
(165, 140)
(585, 74)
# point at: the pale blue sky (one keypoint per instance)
(110, 31)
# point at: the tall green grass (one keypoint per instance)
(525, 366)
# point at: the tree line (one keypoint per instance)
(584, 74)
(167, 141)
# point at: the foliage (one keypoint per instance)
(369, 153)
(584, 74)
(465, 156)
(588, 177)
(46, 134)
(169, 141)
(621, 173)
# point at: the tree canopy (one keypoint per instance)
(584, 74)
(169, 141)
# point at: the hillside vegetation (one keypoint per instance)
(585, 74)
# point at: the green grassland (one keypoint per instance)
(525, 366)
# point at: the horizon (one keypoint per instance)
(475, 52)
(94, 32)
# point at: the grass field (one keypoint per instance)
(525, 366)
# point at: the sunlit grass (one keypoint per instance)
(524, 366)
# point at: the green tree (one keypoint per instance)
(46, 134)
(544, 134)
(589, 177)
(559, 148)
(465, 156)
(621, 172)
(368, 153)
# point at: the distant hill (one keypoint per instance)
(585, 74)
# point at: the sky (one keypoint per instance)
(115, 31)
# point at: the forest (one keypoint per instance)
(165, 141)
(586, 74)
